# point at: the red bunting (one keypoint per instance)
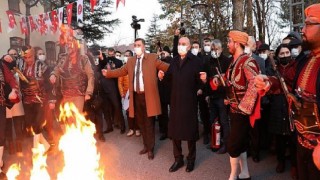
(0, 27)
(69, 13)
(12, 20)
(54, 21)
(42, 26)
(23, 26)
(92, 4)
(123, 2)
(33, 25)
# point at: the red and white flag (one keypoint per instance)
(69, 13)
(92, 4)
(41, 24)
(0, 27)
(60, 16)
(80, 11)
(12, 20)
(23, 26)
(33, 25)
(47, 21)
(123, 2)
(54, 21)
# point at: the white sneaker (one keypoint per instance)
(130, 133)
(138, 133)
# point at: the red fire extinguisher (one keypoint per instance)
(216, 135)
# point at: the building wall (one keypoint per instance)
(36, 39)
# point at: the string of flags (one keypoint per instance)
(50, 21)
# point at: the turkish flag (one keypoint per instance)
(41, 24)
(47, 21)
(12, 20)
(33, 25)
(54, 21)
(80, 11)
(123, 2)
(69, 13)
(23, 26)
(93, 3)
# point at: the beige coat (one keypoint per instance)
(150, 65)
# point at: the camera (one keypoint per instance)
(182, 29)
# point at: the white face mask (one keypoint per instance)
(295, 52)
(247, 50)
(194, 51)
(214, 54)
(96, 61)
(125, 59)
(42, 57)
(138, 51)
(182, 50)
(207, 49)
(263, 56)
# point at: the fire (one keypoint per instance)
(39, 171)
(13, 171)
(79, 146)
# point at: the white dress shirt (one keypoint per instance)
(140, 75)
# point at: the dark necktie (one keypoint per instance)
(137, 76)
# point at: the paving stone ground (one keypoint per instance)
(121, 161)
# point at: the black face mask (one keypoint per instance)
(285, 60)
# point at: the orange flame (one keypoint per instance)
(13, 171)
(79, 146)
(39, 171)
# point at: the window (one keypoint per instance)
(51, 52)
(16, 42)
(14, 5)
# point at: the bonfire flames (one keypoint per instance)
(13, 171)
(39, 171)
(81, 158)
(79, 146)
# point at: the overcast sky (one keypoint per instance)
(124, 34)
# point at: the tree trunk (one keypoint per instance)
(27, 36)
(237, 14)
(260, 22)
(249, 18)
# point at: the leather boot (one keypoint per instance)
(11, 147)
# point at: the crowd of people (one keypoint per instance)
(262, 99)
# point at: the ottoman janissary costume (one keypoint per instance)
(243, 99)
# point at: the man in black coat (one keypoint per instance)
(216, 98)
(112, 108)
(184, 71)
(164, 87)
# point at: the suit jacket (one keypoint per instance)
(150, 65)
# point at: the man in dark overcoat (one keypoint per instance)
(186, 75)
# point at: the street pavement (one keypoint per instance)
(120, 160)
